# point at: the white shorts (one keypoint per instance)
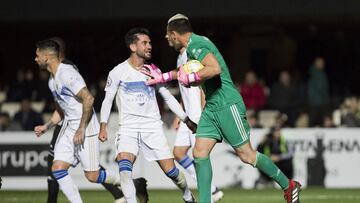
(153, 145)
(87, 156)
(184, 136)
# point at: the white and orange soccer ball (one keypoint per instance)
(192, 66)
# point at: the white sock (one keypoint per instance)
(68, 186)
(107, 176)
(179, 179)
(188, 164)
(126, 181)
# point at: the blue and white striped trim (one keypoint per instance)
(125, 165)
(186, 162)
(60, 174)
(173, 173)
(238, 121)
(102, 176)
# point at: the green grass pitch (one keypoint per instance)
(312, 195)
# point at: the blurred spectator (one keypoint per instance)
(253, 120)
(328, 122)
(17, 89)
(317, 92)
(27, 117)
(284, 96)
(253, 92)
(276, 147)
(42, 92)
(4, 121)
(281, 120)
(23, 87)
(7, 125)
(302, 120)
(30, 82)
(49, 107)
(351, 113)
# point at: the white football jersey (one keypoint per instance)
(64, 86)
(190, 96)
(136, 101)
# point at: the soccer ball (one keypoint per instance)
(192, 66)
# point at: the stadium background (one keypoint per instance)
(244, 31)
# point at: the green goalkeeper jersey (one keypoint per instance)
(220, 90)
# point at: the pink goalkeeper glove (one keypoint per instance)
(187, 79)
(156, 75)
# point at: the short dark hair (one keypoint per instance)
(61, 43)
(131, 36)
(180, 26)
(49, 44)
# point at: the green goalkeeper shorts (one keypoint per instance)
(227, 124)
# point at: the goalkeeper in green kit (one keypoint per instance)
(224, 116)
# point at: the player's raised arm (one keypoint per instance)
(87, 100)
(41, 129)
(176, 108)
(211, 67)
(210, 70)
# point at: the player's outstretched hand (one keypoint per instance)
(103, 135)
(79, 137)
(153, 72)
(40, 130)
(190, 124)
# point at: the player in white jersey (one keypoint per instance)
(193, 101)
(77, 140)
(53, 186)
(140, 125)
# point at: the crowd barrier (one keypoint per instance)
(23, 160)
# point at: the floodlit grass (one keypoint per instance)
(312, 195)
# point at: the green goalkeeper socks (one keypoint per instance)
(265, 164)
(204, 177)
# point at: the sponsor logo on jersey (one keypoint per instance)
(138, 91)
